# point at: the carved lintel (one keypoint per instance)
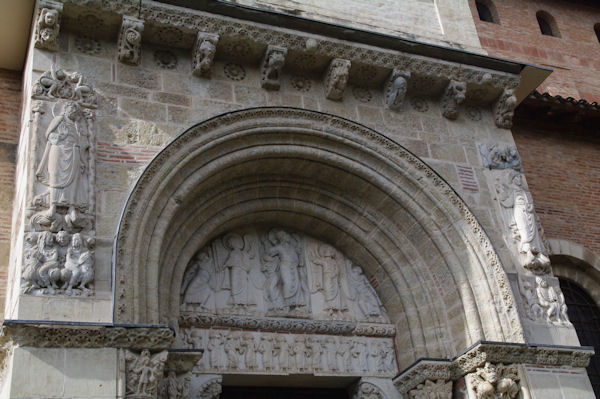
(47, 25)
(204, 53)
(500, 157)
(395, 88)
(87, 336)
(504, 109)
(270, 67)
(454, 96)
(130, 40)
(336, 78)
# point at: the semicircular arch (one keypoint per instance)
(437, 272)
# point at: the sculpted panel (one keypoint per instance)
(278, 273)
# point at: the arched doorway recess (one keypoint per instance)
(433, 266)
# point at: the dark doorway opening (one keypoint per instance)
(230, 392)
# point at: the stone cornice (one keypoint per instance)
(493, 352)
(174, 26)
(47, 334)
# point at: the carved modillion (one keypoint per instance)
(270, 67)
(336, 78)
(454, 95)
(395, 88)
(203, 53)
(504, 109)
(47, 25)
(130, 40)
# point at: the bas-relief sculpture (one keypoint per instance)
(395, 88)
(495, 156)
(204, 53)
(130, 40)
(440, 389)
(494, 381)
(278, 273)
(143, 373)
(454, 95)
(336, 78)
(543, 300)
(270, 67)
(47, 25)
(247, 352)
(58, 248)
(519, 215)
(504, 109)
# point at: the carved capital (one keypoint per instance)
(439, 389)
(454, 95)
(209, 386)
(176, 380)
(47, 25)
(366, 390)
(494, 381)
(336, 78)
(504, 109)
(270, 67)
(203, 53)
(130, 40)
(395, 88)
(143, 372)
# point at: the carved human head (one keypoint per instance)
(50, 16)
(62, 238)
(326, 251)
(77, 240)
(234, 241)
(71, 110)
(45, 239)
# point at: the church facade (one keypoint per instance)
(219, 200)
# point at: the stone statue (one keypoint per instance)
(364, 295)
(454, 95)
(143, 373)
(271, 66)
(79, 262)
(513, 195)
(328, 279)
(64, 167)
(204, 53)
(198, 282)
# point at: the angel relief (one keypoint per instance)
(278, 273)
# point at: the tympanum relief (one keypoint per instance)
(278, 273)
(59, 234)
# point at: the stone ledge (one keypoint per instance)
(54, 334)
(493, 352)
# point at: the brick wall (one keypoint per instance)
(562, 166)
(10, 111)
(575, 56)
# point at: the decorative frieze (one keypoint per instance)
(130, 40)
(203, 53)
(395, 88)
(233, 351)
(336, 78)
(270, 67)
(47, 25)
(504, 109)
(454, 95)
(87, 336)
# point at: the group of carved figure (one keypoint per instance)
(58, 263)
(58, 84)
(143, 373)
(495, 381)
(278, 273)
(543, 302)
(288, 353)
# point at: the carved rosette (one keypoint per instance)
(143, 372)
(494, 381)
(47, 25)
(395, 88)
(440, 389)
(130, 40)
(454, 95)
(59, 242)
(336, 78)
(504, 109)
(203, 53)
(270, 67)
